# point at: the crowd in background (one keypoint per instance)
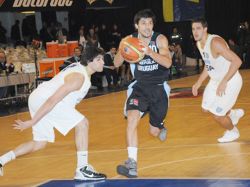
(108, 38)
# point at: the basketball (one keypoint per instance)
(131, 50)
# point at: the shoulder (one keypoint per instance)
(161, 40)
(218, 43)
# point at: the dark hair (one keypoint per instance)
(146, 13)
(200, 20)
(89, 54)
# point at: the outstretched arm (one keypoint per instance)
(72, 82)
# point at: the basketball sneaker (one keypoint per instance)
(1, 169)
(163, 134)
(88, 173)
(129, 169)
(229, 136)
(235, 115)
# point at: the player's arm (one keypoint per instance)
(163, 57)
(220, 48)
(72, 82)
(118, 60)
(203, 76)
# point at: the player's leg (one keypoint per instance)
(22, 149)
(84, 171)
(158, 112)
(223, 105)
(133, 107)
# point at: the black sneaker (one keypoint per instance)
(88, 173)
(129, 169)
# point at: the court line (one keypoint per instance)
(124, 149)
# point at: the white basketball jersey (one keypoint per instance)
(48, 88)
(216, 67)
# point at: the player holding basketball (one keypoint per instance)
(221, 65)
(52, 105)
(149, 92)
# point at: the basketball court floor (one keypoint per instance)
(190, 157)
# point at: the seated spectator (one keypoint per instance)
(5, 69)
(75, 58)
(109, 69)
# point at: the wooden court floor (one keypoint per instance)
(191, 150)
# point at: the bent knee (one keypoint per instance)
(219, 118)
(38, 145)
(83, 124)
(205, 110)
(154, 131)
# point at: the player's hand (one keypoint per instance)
(123, 40)
(221, 89)
(22, 125)
(146, 49)
(195, 88)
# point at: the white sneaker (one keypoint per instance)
(1, 169)
(235, 115)
(229, 136)
(88, 173)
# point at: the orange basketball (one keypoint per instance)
(131, 50)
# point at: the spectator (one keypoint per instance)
(2, 34)
(15, 32)
(81, 39)
(5, 69)
(92, 38)
(104, 37)
(176, 36)
(109, 69)
(44, 34)
(61, 33)
(116, 35)
(76, 58)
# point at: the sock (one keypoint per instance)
(132, 152)
(234, 129)
(82, 158)
(7, 157)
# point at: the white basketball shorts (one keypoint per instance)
(221, 105)
(61, 117)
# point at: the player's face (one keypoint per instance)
(145, 27)
(198, 31)
(98, 63)
(77, 52)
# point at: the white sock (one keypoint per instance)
(235, 129)
(82, 158)
(7, 157)
(132, 152)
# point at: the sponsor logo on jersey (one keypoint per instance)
(134, 102)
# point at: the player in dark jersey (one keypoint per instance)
(149, 92)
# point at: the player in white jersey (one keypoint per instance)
(52, 105)
(221, 65)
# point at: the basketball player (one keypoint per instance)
(221, 65)
(149, 92)
(52, 105)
